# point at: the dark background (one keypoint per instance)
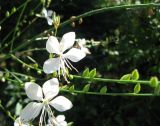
(129, 39)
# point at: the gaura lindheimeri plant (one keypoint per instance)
(44, 97)
(47, 15)
(60, 62)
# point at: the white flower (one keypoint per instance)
(47, 15)
(49, 89)
(82, 44)
(19, 122)
(60, 62)
(60, 119)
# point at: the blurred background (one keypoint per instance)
(126, 39)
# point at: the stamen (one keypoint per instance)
(71, 65)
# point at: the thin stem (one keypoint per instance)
(110, 94)
(17, 78)
(15, 30)
(7, 112)
(20, 61)
(6, 37)
(15, 11)
(114, 80)
(102, 10)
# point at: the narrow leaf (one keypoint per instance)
(86, 88)
(85, 73)
(103, 90)
(135, 74)
(126, 77)
(71, 89)
(92, 74)
(137, 88)
(157, 89)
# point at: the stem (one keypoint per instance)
(20, 61)
(7, 112)
(110, 94)
(15, 11)
(102, 10)
(114, 80)
(15, 30)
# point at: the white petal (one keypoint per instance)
(86, 50)
(49, 21)
(74, 55)
(60, 118)
(31, 111)
(67, 40)
(33, 91)
(44, 12)
(51, 88)
(64, 123)
(52, 45)
(19, 122)
(51, 65)
(49, 13)
(61, 103)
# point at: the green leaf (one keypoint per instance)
(137, 88)
(135, 74)
(157, 89)
(71, 89)
(126, 77)
(85, 73)
(103, 90)
(13, 10)
(7, 14)
(86, 88)
(92, 73)
(154, 82)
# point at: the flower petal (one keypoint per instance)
(51, 88)
(33, 91)
(67, 40)
(49, 21)
(60, 118)
(31, 111)
(74, 55)
(49, 13)
(19, 122)
(53, 45)
(61, 103)
(51, 65)
(64, 123)
(44, 12)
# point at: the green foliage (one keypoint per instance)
(86, 73)
(157, 89)
(154, 82)
(92, 73)
(86, 88)
(137, 88)
(126, 77)
(71, 89)
(103, 90)
(135, 75)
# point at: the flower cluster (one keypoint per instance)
(44, 97)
